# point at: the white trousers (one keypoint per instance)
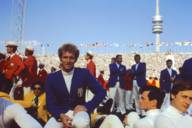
(128, 100)
(17, 113)
(111, 121)
(26, 90)
(166, 101)
(135, 96)
(118, 96)
(79, 120)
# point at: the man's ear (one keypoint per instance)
(154, 102)
(172, 96)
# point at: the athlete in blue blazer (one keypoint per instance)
(65, 91)
(166, 79)
(186, 71)
(139, 72)
(116, 74)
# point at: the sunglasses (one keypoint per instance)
(37, 88)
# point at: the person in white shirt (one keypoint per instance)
(150, 101)
(176, 116)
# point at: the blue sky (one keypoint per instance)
(107, 21)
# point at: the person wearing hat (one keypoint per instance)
(42, 74)
(30, 73)
(14, 66)
(90, 63)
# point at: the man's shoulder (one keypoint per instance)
(143, 64)
(16, 57)
(188, 60)
(113, 64)
(81, 70)
(144, 122)
(123, 65)
(163, 70)
(53, 74)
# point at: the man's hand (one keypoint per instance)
(66, 120)
(172, 79)
(79, 108)
(125, 121)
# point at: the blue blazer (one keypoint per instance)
(59, 100)
(116, 72)
(165, 82)
(186, 72)
(140, 74)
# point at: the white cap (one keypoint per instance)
(90, 53)
(11, 43)
(30, 48)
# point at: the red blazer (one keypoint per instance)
(2, 65)
(102, 82)
(92, 68)
(128, 77)
(30, 74)
(13, 67)
(42, 76)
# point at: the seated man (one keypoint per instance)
(65, 92)
(150, 101)
(176, 116)
(14, 112)
(33, 102)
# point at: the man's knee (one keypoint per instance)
(81, 120)
(52, 123)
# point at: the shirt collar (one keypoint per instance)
(68, 73)
(169, 69)
(11, 55)
(153, 112)
(175, 110)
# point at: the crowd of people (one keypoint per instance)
(80, 93)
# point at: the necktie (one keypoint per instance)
(36, 100)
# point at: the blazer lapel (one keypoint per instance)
(168, 73)
(62, 83)
(74, 82)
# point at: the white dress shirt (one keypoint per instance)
(68, 78)
(170, 71)
(136, 66)
(148, 121)
(173, 118)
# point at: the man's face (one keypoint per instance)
(87, 57)
(9, 49)
(26, 52)
(145, 103)
(137, 59)
(169, 64)
(37, 89)
(182, 100)
(67, 61)
(119, 59)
